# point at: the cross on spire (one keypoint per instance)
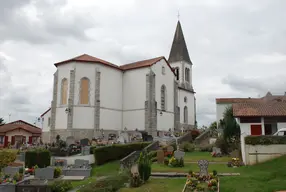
(178, 15)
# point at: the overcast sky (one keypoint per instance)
(238, 47)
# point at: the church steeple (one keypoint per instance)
(179, 50)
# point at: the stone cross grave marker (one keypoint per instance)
(84, 142)
(160, 156)
(70, 140)
(179, 154)
(203, 164)
(85, 150)
(44, 173)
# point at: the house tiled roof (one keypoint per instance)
(20, 125)
(236, 100)
(139, 64)
(262, 108)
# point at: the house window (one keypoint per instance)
(250, 120)
(84, 91)
(49, 121)
(177, 73)
(163, 98)
(185, 99)
(163, 70)
(64, 92)
(185, 114)
(1, 139)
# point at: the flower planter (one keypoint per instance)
(195, 183)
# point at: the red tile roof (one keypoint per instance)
(236, 100)
(261, 108)
(45, 112)
(20, 125)
(139, 64)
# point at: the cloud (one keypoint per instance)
(237, 47)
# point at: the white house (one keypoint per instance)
(93, 97)
(256, 116)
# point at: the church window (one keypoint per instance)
(84, 91)
(64, 92)
(185, 99)
(163, 98)
(163, 70)
(185, 114)
(187, 74)
(49, 121)
(177, 73)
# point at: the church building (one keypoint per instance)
(93, 97)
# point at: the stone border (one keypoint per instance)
(175, 174)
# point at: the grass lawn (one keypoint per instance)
(197, 155)
(98, 171)
(265, 177)
(159, 185)
(220, 168)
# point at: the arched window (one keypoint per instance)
(163, 70)
(64, 92)
(187, 74)
(185, 99)
(84, 91)
(185, 114)
(177, 73)
(163, 98)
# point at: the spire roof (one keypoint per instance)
(179, 50)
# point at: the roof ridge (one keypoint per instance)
(161, 57)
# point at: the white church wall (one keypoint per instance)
(45, 125)
(61, 118)
(164, 77)
(190, 105)
(134, 97)
(83, 117)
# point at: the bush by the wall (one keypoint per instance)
(57, 172)
(116, 152)
(187, 147)
(265, 140)
(39, 157)
(7, 156)
(61, 186)
(144, 166)
(109, 184)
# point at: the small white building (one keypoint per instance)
(93, 97)
(256, 116)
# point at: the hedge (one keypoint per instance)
(116, 152)
(39, 157)
(265, 140)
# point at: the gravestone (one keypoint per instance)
(11, 170)
(160, 156)
(170, 149)
(203, 164)
(179, 154)
(217, 151)
(134, 169)
(85, 150)
(235, 154)
(70, 140)
(84, 142)
(44, 173)
(81, 162)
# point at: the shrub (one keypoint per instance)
(57, 172)
(92, 149)
(21, 170)
(7, 156)
(152, 154)
(166, 161)
(187, 147)
(39, 157)
(173, 162)
(61, 186)
(223, 145)
(115, 152)
(265, 140)
(144, 166)
(109, 184)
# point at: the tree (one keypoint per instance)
(2, 121)
(231, 130)
(213, 128)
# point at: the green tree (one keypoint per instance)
(213, 128)
(231, 130)
(2, 121)
(144, 165)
